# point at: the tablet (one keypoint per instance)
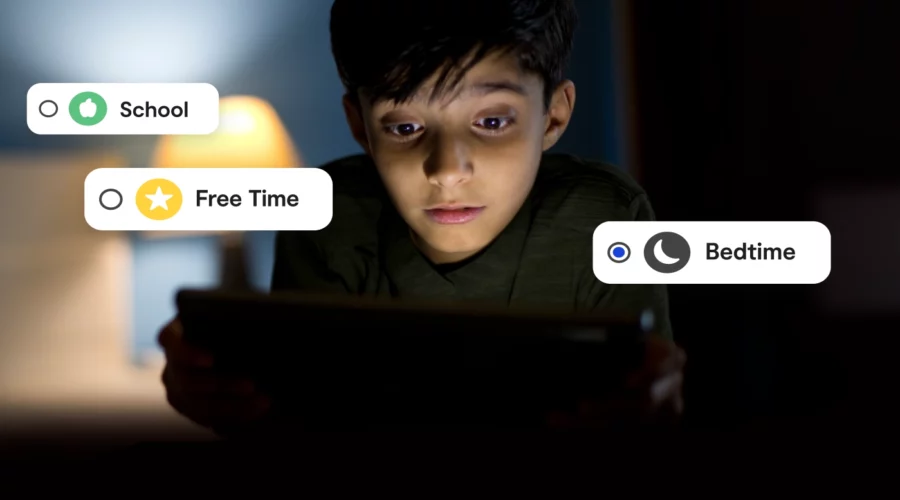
(348, 362)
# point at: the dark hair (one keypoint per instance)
(389, 48)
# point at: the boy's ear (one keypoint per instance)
(559, 113)
(355, 120)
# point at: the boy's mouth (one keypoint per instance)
(453, 214)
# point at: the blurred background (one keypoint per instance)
(723, 110)
(81, 308)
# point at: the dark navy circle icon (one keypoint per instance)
(110, 199)
(667, 252)
(618, 252)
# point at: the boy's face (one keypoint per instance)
(459, 167)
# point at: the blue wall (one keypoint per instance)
(161, 266)
(595, 131)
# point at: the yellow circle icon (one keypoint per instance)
(158, 199)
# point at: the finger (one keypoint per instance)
(170, 333)
(664, 356)
(659, 402)
(661, 358)
(666, 390)
(664, 402)
(211, 408)
(225, 411)
(179, 352)
(632, 404)
(669, 412)
(200, 382)
(188, 356)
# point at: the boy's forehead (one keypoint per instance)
(494, 73)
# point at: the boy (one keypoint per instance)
(454, 103)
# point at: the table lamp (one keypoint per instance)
(250, 135)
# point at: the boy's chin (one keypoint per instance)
(454, 243)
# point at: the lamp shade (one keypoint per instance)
(250, 135)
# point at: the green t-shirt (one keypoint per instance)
(542, 259)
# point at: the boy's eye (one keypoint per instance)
(493, 123)
(404, 129)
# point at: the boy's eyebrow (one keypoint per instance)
(497, 86)
(477, 88)
(484, 88)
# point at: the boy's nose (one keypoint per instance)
(449, 164)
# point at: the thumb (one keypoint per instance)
(88, 100)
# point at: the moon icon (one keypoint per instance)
(661, 255)
(678, 255)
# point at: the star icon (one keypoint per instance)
(159, 199)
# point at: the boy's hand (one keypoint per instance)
(198, 392)
(652, 395)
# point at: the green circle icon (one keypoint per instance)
(87, 108)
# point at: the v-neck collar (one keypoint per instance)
(489, 276)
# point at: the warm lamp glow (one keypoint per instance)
(250, 135)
